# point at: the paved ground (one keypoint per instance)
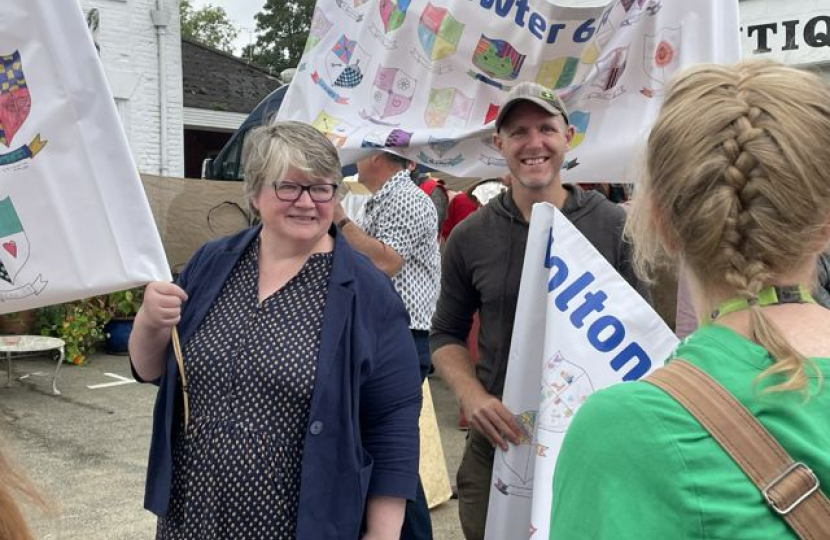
(87, 448)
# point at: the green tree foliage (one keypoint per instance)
(283, 27)
(209, 25)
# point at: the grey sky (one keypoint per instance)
(241, 14)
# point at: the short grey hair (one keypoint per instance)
(270, 150)
(395, 159)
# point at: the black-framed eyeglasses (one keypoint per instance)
(291, 192)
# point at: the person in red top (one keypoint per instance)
(468, 201)
(461, 206)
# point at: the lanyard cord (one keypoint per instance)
(177, 352)
(768, 296)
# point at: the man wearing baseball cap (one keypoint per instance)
(482, 268)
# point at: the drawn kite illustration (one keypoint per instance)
(346, 63)
(439, 32)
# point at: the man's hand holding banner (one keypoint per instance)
(579, 327)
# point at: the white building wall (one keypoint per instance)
(130, 54)
(794, 32)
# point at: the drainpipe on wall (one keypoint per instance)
(160, 20)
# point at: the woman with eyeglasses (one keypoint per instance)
(301, 375)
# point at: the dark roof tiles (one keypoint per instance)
(219, 81)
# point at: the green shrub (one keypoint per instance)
(80, 324)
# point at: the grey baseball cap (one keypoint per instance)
(534, 93)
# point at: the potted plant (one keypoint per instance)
(79, 324)
(122, 307)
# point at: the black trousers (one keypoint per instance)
(417, 525)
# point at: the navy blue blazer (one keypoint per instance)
(362, 437)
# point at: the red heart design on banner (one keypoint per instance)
(11, 247)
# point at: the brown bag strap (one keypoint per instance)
(791, 489)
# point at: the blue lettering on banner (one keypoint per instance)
(606, 333)
(538, 26)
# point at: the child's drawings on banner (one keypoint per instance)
(579, 327)
(74, 219)
(439, 70)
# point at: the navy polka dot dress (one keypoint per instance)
(250, 371)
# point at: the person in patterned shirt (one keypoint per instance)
(398, 231)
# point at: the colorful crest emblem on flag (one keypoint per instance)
(662, 54)
(497, 58)
(320, 26)
(442, 146)
(15, 100)
(346, 63)
(393, 13)
(398, 138)
(448, 106)
(439, 32)
(14, 244)
(335, 129)
(610, 69)
(392, 92)
(558, 73)
(565, 387)
(580, 121)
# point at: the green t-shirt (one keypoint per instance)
(636, 465)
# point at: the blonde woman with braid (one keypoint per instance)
(738, 188)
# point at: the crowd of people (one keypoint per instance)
(290, 356)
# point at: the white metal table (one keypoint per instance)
(13, 346)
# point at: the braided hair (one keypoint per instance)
(738, 185)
